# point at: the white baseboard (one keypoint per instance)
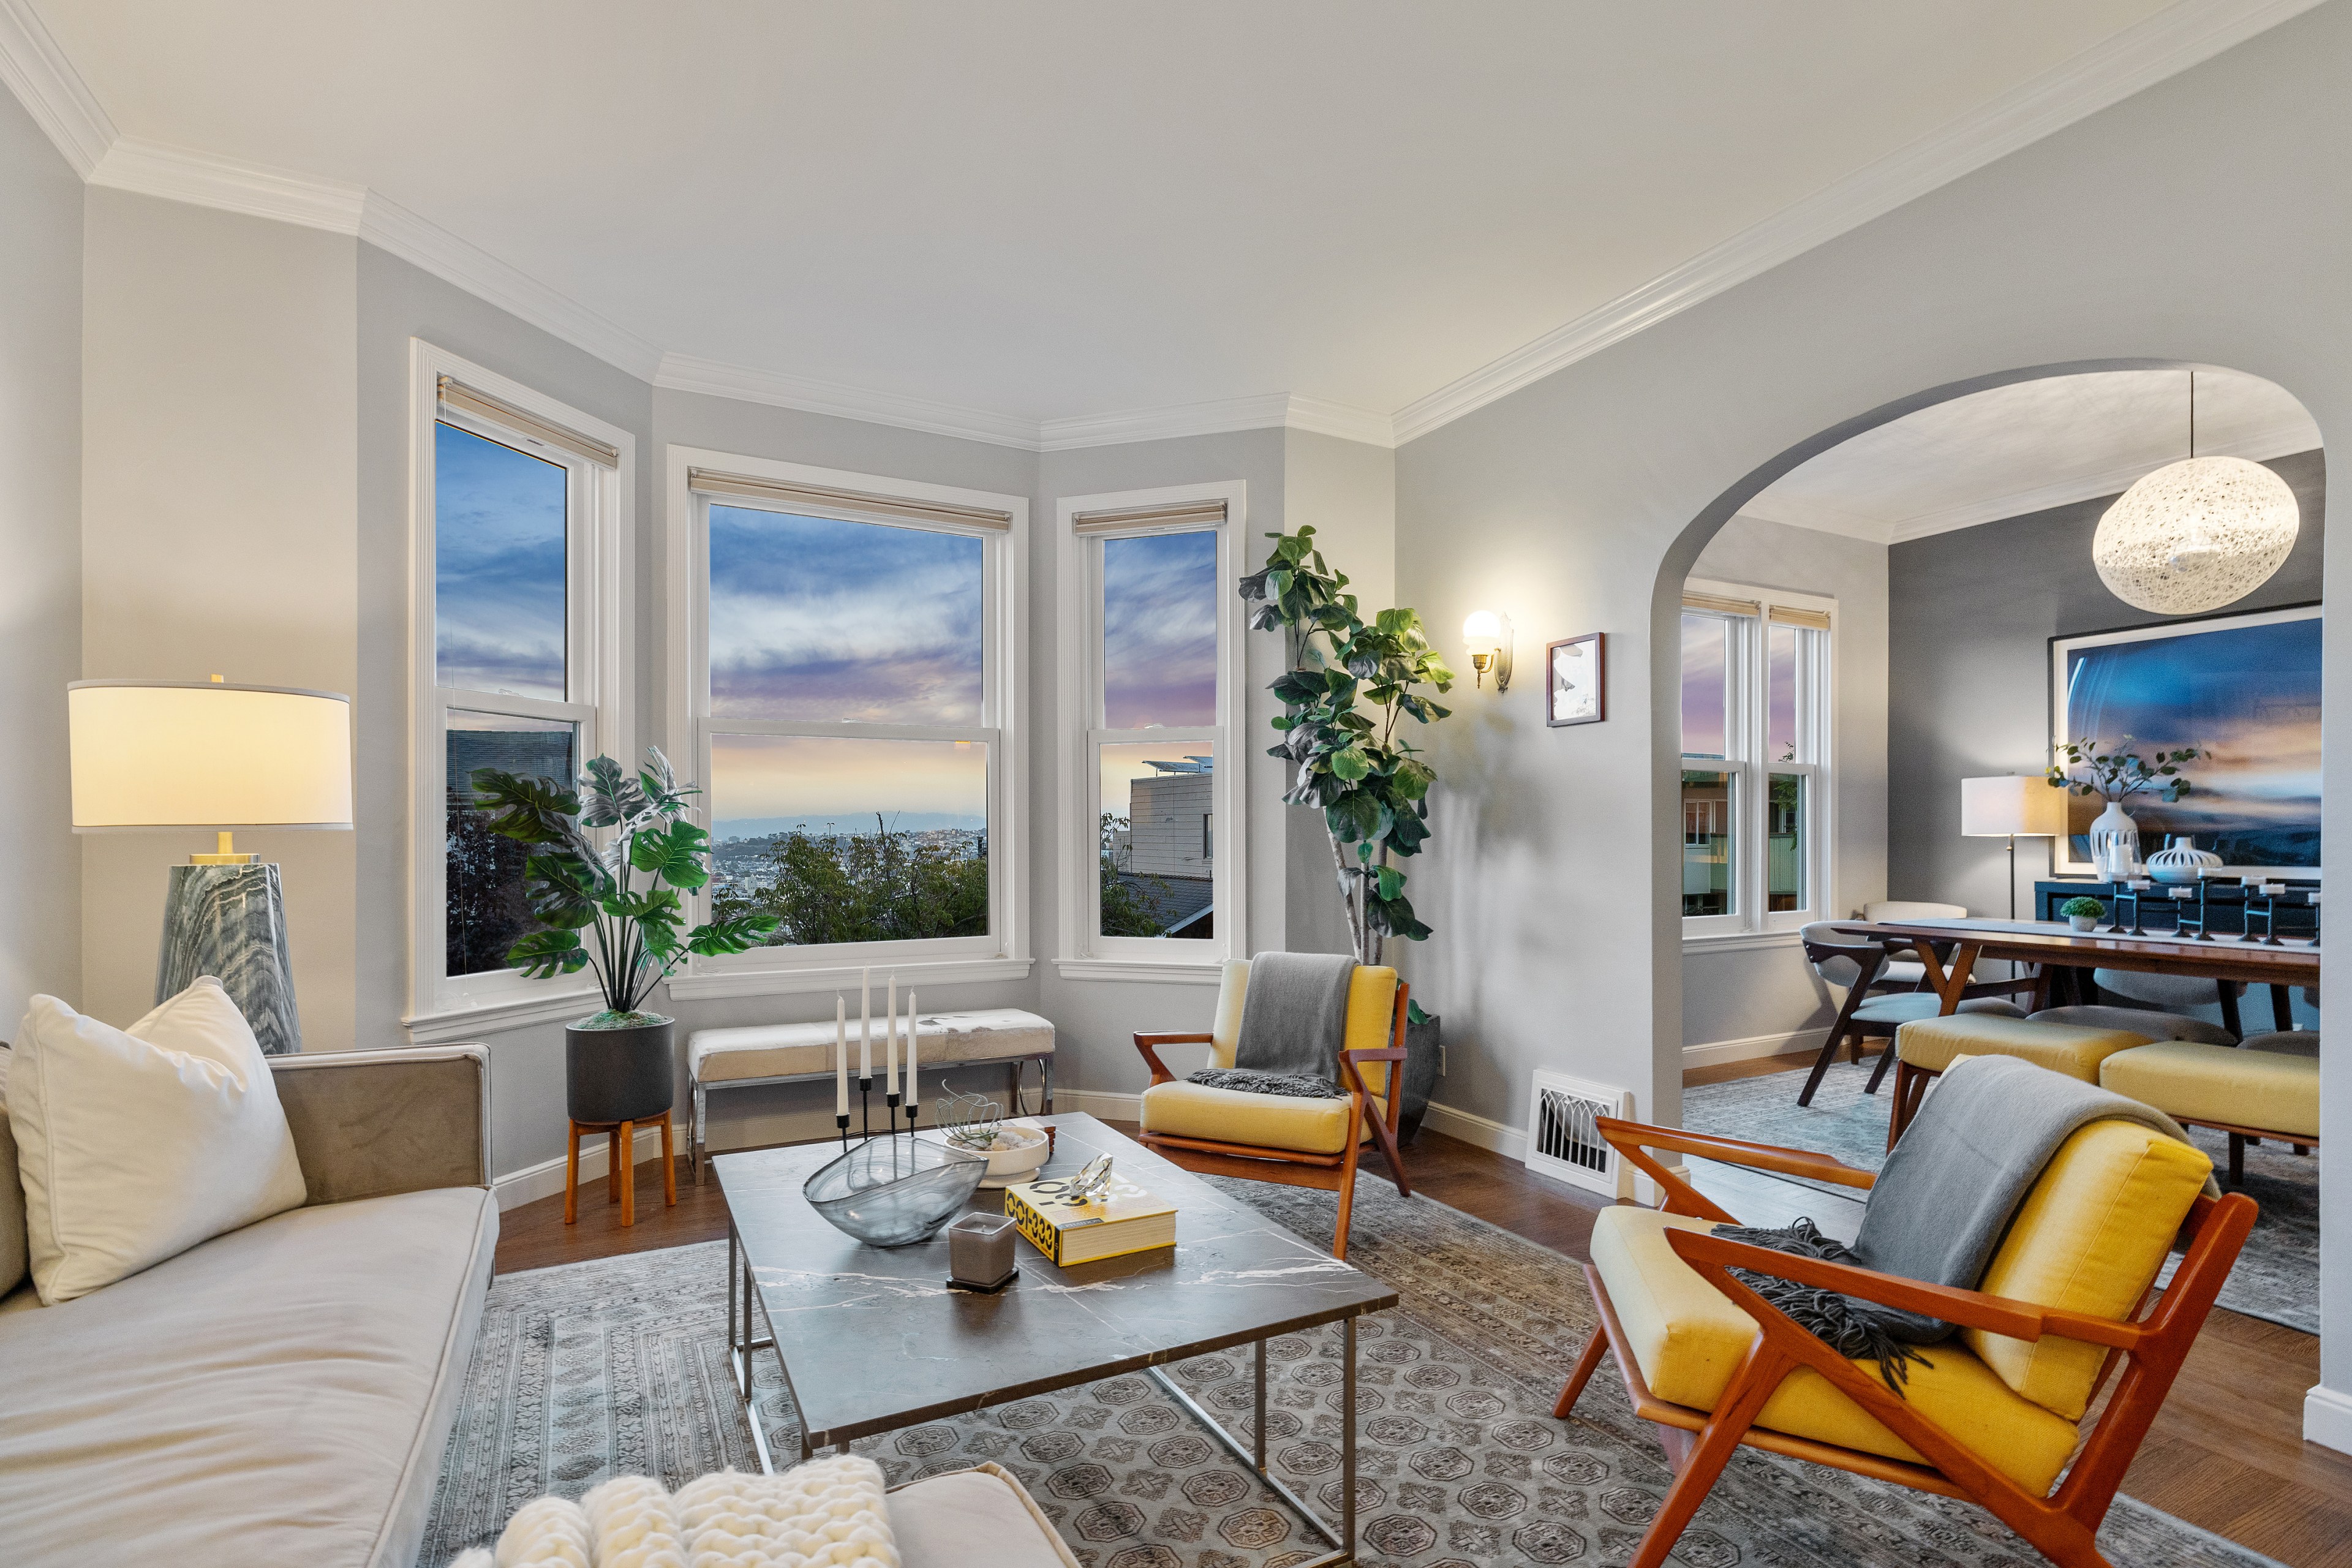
(2328, 1418)
(1511, 1143)
(1798, 1042)
(546, 1178)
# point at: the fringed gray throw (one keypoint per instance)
(1296, 1085)
(1944, 1201)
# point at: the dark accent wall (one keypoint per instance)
(1970, 615)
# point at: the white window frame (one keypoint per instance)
(600, 653)
(1003, 953)
(1746, 718)
(1083, 953)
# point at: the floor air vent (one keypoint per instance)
(1563, 1141)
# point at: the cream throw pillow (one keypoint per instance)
(826, 1513)
(135, 1145)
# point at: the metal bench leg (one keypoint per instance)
(694, 1155)
(1046, 1067)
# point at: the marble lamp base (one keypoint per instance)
(229, 921)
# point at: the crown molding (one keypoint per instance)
(390, 227)
(714, 378)
(52, 91)
(231, 185)
(1273, 410)
(2166, 44)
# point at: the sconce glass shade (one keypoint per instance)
(1483, 632)
(2196, 535)
(160, 753)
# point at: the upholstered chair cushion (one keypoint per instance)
(1912, 910)
(1181, 1110)
(1689, 1338)
(2159, 990)
(2089, 1239)
(1932, 1042)
(2286, 1042)
(2272, 1090)
(1903, 1006)
(2136, 1021)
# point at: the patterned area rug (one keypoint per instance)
(619, 1366)
(2277, 1274)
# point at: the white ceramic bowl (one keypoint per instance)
(1021, 1148)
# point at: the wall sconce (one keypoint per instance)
(1489, 637)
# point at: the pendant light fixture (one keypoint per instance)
(2196, 534)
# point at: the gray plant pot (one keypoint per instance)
(1420, 1061)
(619, 1075)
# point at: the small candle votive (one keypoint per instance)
(979, 1251)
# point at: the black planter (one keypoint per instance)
(1421, 1062)
(619, 1075)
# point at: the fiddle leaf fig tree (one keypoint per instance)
(1350, 685)
(582, 893)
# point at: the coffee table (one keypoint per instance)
(873, 1340)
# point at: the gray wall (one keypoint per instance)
(1968, 665)
(40, 593)
(1756, 996)
(1582, 500)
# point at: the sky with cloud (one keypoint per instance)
(1160, 630)
(498, 559)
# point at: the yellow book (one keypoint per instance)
(1121, 1219)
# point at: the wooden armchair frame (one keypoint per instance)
(2064, 1525)
(1292, 1167)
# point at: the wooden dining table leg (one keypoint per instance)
(2282, 1009)
(2230, 1019)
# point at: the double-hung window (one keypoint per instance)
(1755, 783)
(520, 639)
(851, 660)
(1151, 634)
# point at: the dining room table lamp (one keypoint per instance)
(2012, 806)
(170, 755)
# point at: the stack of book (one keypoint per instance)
(1120, 1219)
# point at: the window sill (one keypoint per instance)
(1740, 940)
(1135, 971)
(496, 1017)
(835, 977)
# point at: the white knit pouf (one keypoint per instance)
(827, 1513)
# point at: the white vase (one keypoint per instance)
(2181, 861)
(2115, 843)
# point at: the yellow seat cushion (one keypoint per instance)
(2265, 1090)
(1689, 1338)
(1932, 1042)
(2089, 1238)
(1183, 1109)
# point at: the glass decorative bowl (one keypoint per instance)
(894, 1191)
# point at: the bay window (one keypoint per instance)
(1756, 785)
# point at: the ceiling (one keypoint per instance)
(2027, 447)
(1375, 213)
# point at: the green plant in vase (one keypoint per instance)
(2115, 775)
(2082, 913)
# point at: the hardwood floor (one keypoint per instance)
(2226, 1453)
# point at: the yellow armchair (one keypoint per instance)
(1281, 1137)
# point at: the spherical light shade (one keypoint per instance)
(2196, 535)
(1483, 632)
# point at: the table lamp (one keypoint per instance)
(2012, 806)
(153, 755)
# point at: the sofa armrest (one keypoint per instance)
(367, 1124)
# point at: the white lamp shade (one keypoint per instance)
(158, 753)
(2196, 535)
(1483, 632)
(2024, 805)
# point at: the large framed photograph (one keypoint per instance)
(1576, 670)
(2245, 687)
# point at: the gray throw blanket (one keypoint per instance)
(1943, 1203)
(1294, 1026)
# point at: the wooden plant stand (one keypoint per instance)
(620, 1170)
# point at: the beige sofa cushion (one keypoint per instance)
(789, 1050)
(977, 1518)
(279, 1395)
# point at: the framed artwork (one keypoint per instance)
(2246, 687)
(1576, 672)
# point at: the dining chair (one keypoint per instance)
(1871, 1010)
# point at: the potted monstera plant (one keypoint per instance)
(614, 908)
(1350, 686)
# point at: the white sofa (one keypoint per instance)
(281, 1394)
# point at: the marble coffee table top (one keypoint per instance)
(873, 1340)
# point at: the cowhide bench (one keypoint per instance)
(802, 1053)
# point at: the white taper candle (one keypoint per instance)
(914, 1028)
(840, 1054)
(890, 1037)
(864, 1025)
